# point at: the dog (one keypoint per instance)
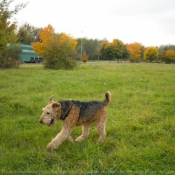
(75, 113)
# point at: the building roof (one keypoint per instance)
(26, 46)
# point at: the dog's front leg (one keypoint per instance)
(68, 124)
(70, 139)
(63, 135)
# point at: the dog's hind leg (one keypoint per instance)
(85, 132)
(100, 125)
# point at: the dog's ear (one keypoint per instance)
(56, 105)
(51, 99)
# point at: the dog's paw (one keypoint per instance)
(50, 146)
(101, 139)
(70, 139)
(79, 139)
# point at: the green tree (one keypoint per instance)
(114, 50)
(118, 47)
(89, 46)
(28, 34)
(126, 53)
(107, 51)
(8, 35)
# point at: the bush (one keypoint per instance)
(60, 63)
(10, 57)
(85, 58)
(58, 50)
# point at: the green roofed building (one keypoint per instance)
(28, 55)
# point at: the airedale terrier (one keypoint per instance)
(75, 113)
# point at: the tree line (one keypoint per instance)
(95, 49)
(60, 50)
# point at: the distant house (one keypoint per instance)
(28, 55)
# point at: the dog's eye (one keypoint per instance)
(48, 113)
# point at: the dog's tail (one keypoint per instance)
(107, 98)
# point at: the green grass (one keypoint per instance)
(140, 128)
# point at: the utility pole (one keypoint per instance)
(81, 46)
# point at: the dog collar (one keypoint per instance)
(63, 117)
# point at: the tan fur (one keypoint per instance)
(52, 112)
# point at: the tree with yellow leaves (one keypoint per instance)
(58, 50)
(135, 50)
(169, 56)
(151, 53)
(46, 36)
(118, 46)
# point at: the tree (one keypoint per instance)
(58, 50)
(46, 36)
(126, 53)
(118, 48)
(89, 46)
(8, 35)
(28, 34)
(169, 56)
(107, 51)
(164, 48)
(151, 53)
(113, 50)
(135, 50)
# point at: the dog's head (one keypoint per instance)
(51, 113)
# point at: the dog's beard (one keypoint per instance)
(51, 122)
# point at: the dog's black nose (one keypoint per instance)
(41, 121)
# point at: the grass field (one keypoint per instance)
(140, 128)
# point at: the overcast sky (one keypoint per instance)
(149, 22)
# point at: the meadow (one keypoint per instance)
(140, 127)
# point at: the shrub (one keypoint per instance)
(85, 57)
(58, 50)
(10, 57)
(60, 63)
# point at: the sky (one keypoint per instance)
(149, 22)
